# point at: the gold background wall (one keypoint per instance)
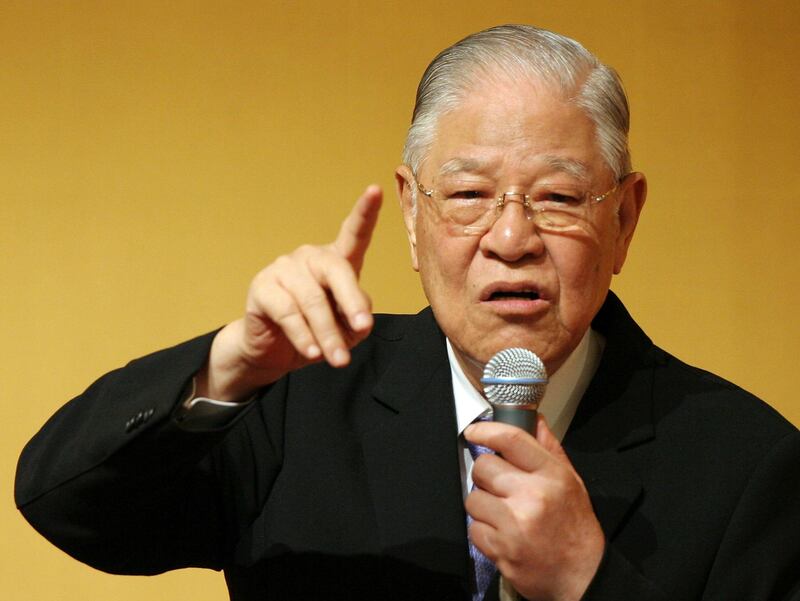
(154, 155)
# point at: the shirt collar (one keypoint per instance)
(562, 396)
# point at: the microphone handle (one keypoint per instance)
(522, 416)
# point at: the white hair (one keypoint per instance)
(516, 50)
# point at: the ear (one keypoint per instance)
(405, 182)
(633, 193)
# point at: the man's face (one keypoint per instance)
(515, 285)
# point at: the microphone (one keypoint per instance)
(514, 381)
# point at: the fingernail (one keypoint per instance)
(313, 351)
(340, 357)
(361, 321)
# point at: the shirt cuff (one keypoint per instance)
(197, 414)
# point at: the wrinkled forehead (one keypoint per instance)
(464, 167)
(523, 125)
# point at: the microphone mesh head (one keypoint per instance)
(514, 364)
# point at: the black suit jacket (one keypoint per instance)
(345, 483)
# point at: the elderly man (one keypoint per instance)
(313, 450)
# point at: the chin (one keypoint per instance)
(488, 346)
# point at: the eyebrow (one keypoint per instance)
(573, 167)
(576, 169)
(458, 165)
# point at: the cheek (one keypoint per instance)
(444, 263)
(573, 259)
(583, 269)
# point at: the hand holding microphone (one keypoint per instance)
(532, 516)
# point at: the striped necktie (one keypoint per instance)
(484, 568)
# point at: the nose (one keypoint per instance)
(513, 236)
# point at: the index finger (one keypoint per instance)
(356, 231)
(514, 444)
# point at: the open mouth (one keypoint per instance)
(514, 294)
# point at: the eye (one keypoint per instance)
(466, 195)
(561, 198)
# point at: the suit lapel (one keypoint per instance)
(608, 439)
(613, 487)
(411, 455)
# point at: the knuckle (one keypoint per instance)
(514, 551)
(282, 263)
(305, 250)
(526, 523)
(291, 324)
(528, 516)
(505, 563)
(263, 277)
(517, 436)
(507, 569)
(473, 499)
(470, 502)
(269, 276)
(562, 488)
(313, 300)
(292, 261)
(287, 317)
(478, 478)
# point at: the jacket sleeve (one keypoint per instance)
(116, 482)
(617, 579)
(758, 558)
